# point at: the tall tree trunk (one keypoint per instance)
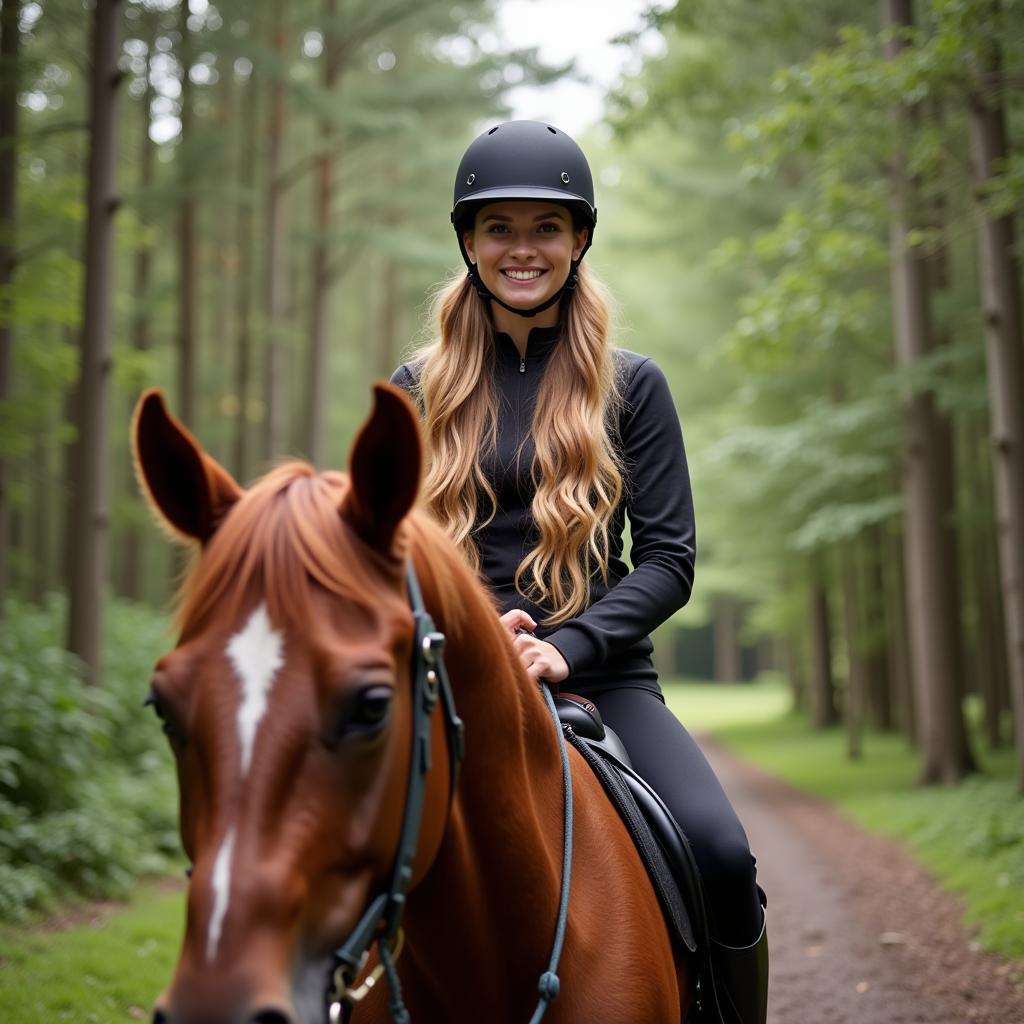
(989, 652)
(388, 347)
(1000, 284)
(728, 668)
(243, 295)
(939, 276)
(43, 506)
(795, 672)
(131, 570)
(856, 684)
(89, 515)
(945, 754)
(276, 369)
(323, 199)
(876, 662)
(823, 699)
(187, 259)
(904, 705)
(10, 44)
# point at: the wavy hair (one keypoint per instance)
(577, 470)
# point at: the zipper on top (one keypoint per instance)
(522, 364)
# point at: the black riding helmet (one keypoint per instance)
(523, 160)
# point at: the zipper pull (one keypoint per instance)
(522, 364)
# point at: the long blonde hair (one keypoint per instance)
(577, 470)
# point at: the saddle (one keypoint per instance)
(661, 843)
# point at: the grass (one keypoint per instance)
(107, 973)
(971, 837)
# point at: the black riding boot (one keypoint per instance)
(741, 980)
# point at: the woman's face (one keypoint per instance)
(523, 249)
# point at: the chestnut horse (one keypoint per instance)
(288, 707)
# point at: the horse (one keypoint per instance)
(288, 707)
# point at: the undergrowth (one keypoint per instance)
(87, 795)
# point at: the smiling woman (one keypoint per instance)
(523, 252)
(541, 439)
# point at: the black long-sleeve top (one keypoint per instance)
(608, 643)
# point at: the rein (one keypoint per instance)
(381, 921)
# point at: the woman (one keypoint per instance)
(541, 438)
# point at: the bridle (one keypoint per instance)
(381, 921)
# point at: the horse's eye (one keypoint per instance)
(153, 701)
(369, 709)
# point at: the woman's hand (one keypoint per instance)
(515, 621)
(540, 659)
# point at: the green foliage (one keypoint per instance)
(87, 799)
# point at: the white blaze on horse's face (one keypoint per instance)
(255, 653)
(221, 885)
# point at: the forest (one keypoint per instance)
(808, 217)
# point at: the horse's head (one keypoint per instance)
(287, 707)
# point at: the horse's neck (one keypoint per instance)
(499, 868)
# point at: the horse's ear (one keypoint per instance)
(190, 492)
(384, 468)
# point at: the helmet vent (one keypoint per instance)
(565, 177)
(471, 179)
(552, 130)
(494, 129)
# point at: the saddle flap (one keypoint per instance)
(660, 842)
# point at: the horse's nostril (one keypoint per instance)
(272, 1016)
(159, 1017)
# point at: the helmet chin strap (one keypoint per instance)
(485, 293)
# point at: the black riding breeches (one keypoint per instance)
(665, 754)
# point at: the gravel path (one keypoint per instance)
(859, 934)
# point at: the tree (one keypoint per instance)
(275, 378)
(89, 521)
(944, 750)
(10, 40)
(187, 252)
(1000, 281)
(316, 380)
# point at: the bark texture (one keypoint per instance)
(728, 668)
(89, 517)
(823, 700)
(323, 200)
(276, 375)
(142, 268)
(1000, 285)
(942, 736)
(10, 45)
(187, 265)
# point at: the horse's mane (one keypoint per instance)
(286, 535)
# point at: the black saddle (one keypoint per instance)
(661, 843)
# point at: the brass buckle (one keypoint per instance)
(344, 992)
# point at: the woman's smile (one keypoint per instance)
(523, 275)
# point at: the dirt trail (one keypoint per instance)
(859, 934)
